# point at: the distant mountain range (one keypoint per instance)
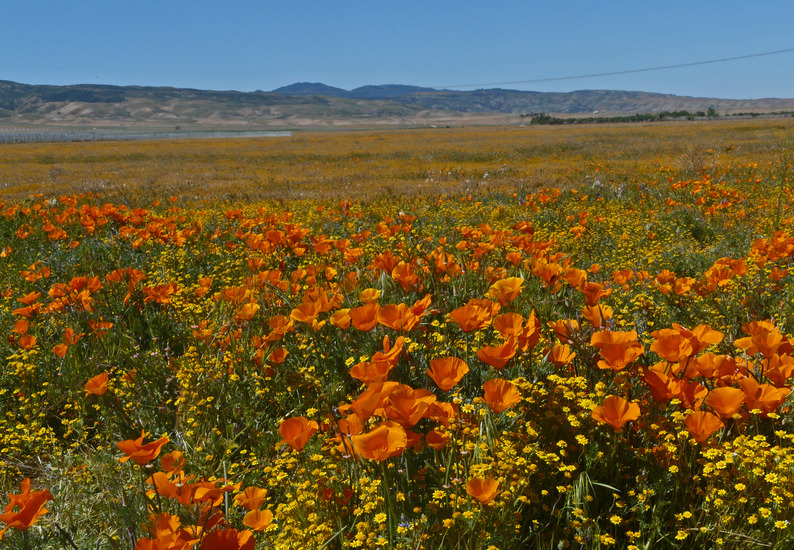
(319, 104)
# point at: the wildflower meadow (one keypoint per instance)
(465, 339)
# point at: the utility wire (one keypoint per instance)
(613, 73)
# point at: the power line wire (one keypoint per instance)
(614, 73)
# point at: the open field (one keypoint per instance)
(479, 338)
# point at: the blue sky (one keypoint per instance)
(248, 45)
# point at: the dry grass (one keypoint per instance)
(373, 163)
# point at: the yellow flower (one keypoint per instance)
(380, 518)
(681, 535)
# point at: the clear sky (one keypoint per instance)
(251, 45)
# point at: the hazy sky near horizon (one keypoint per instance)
(251, 45)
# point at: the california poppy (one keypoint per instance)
(484, 490)
(228, 539)
(597, 315)
(403, 273)
(725, 401)
(296, 431)
(618, 349)
(397, 317)
(139, 452)
(365, 317)
(498, 356)
(500, 394)
(506, 290)
(616, 411)
(386, 440)
(508, 324)
(470, 317)
(701, 424)
(31, 508)
(671, 345)
(560, 355)
(258, 520)
(407, 405)
(446, 372)
(251, 498)
(593, 292)
(98, 385)
(436, 439)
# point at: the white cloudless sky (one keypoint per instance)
(261, 45)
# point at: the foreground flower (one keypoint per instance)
(725, 401)
(229, 539)
(98, 385)
(616, 411)
(139, 452)
(296, 431)
(258, 520)
(702, 424)
(31, 507)
(500, 394)
(446, 372)
(388, 439)
(483, 490)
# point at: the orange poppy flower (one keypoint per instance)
(508, 324)
(530, 336)
(470, 317)
(663, 387)
(594, 292)
(616, 411)
(618, 349)
(407, 405)
(341, 318)
(443, 413)
(597, 315)
(575, 277)
(98, 385)
(229, 539)
(372, 399)
(764, 338)
(671, 345)
(306, 312)
(277, 356)
(702, 424)
(388, 439)
(365, 317)
(173, 462)
(139, 452)
(397, 317)
(483, 490)
(700, 337)
(446, 372)
(725, 401)
(296, 431)
(500, 394)
(31, 508)
(27, 341)
(60, 350)
(436, 439)
(763, 397)
(498, 356)
(251, 498)
(564, 328)
(403, 273)
(779, 369)
(369, 295)
(258, 520)
(506, 290)
(560, 355)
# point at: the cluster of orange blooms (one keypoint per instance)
(290, 303)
